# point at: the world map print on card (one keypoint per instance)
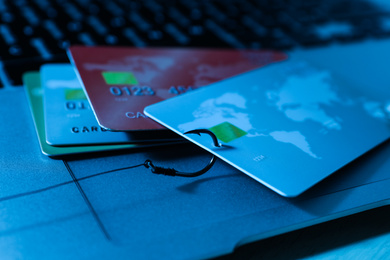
(288, 125)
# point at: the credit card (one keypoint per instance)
(69, 119)
(34, 91)
(288, 125)
(121, 81)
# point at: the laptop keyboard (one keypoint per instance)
(33, 32)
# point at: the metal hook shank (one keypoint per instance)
(172, 172)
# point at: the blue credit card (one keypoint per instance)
(69, 119)
(288, 125)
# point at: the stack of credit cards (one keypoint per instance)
(97, 103)
(71, 125)
(288, 125)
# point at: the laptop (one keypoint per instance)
(67, 208)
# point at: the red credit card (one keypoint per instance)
(121, 81)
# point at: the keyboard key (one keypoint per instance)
(224, 35)
(134, 38)
(30, 15)
(53, 29)
(179, 17)
(7, 35)
(177, 34)
(86, 39)
(140, 22)
(40, 45)
(97, 25)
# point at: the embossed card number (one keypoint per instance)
(132, 91)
